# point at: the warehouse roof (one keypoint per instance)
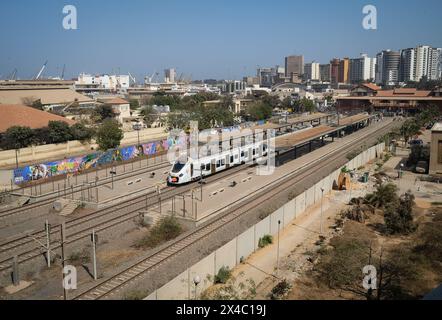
(46, 96)
(21, 115)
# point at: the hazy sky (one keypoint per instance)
(205, 39)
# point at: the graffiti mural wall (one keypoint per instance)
(78, 164)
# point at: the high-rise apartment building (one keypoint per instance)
(344, 68)
(294, 65)
(387, 67)
(324, 72)
(169, 75)
(312, 71)
(362, 69)
(419, 62)
(334, 70)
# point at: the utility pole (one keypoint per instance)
(277, 253)
(63, 262)
(322, 198)
(48, 242)
(94, 239)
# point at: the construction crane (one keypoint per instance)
(41, 71)
(150, 79)
(133, 79)
(62, 73)
(13, 75)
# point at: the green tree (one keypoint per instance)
(18, 137)
(104, 112)
(384, 195)
(59, 132)
(80, 132)
(149, 115)
(307, 105)
(109, 135)
(271, 100)
(399, 218)
(134, 104)
(259, 111)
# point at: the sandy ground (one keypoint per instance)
(299, 239)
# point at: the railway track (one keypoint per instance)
(232, 212)
(68, 192)
(26, 249)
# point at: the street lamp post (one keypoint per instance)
(196, 282)
(277, 253)
(322, 198)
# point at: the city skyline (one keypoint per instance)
(192, 39)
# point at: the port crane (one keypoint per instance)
(41, 71)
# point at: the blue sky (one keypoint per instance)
(205, 39)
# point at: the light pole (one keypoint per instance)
(137, 127)
(322, 198)
(401, 167)
(277, 253)
(196, 282)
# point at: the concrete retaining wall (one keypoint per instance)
(246, 243)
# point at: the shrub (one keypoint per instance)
(280, 290)
(166, 229)
(223, 275)
(265, 241)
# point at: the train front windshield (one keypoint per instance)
(177, 167)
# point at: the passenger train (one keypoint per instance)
(187, 170)
(192, 170)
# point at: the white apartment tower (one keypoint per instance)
(419, 62)
(312, 71)
(362, 69)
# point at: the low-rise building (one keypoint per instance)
(368, 96)
(436, 150)
(242, 104)
(120, 107)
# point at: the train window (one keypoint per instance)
(231, 159)
(218, 164)
(223, 162)
(264, 147)
(208, 167)
(242, 154)
(254, 151)
(177, 167)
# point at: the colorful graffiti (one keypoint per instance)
(77, 164)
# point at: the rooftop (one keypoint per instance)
(21, 115)
(47, 96)
(437, 126)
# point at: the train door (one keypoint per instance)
(213, 166)
(228, 161)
